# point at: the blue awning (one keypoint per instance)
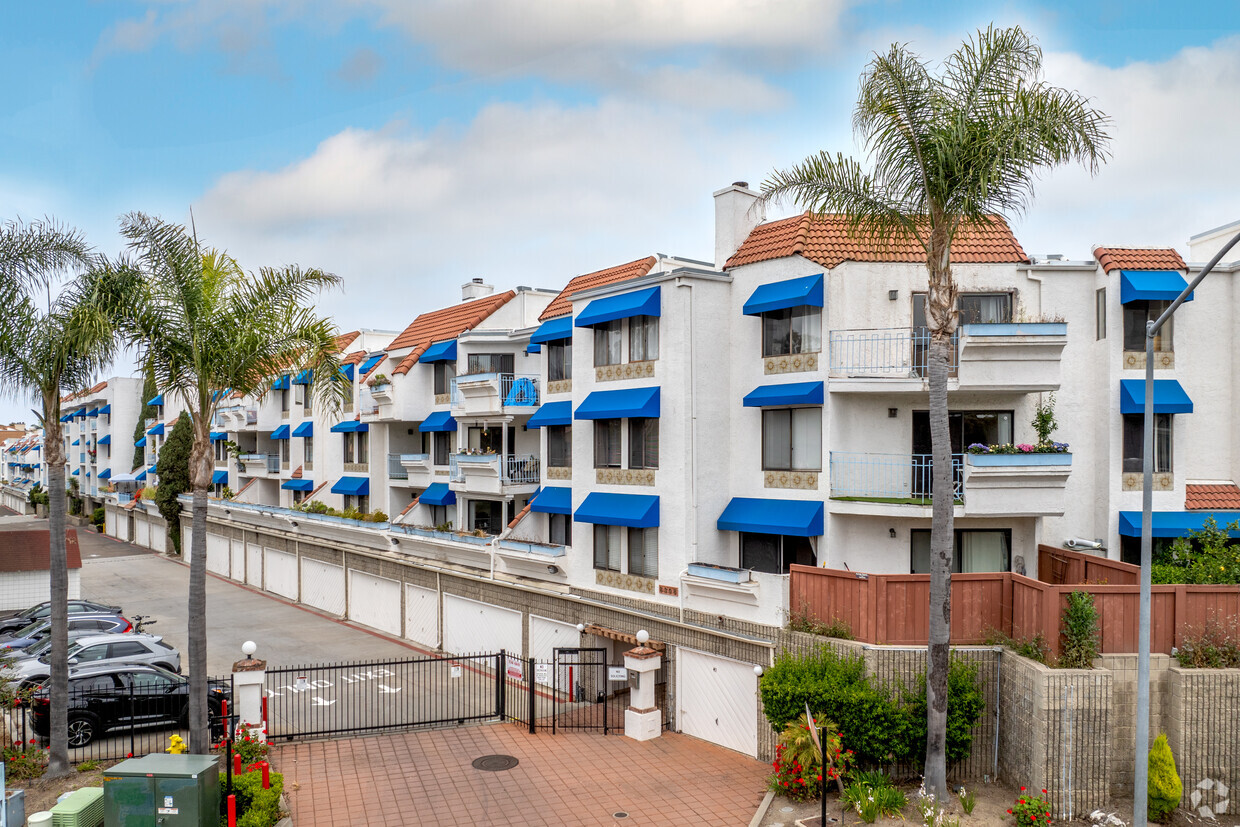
(156, 400)
(76, 442)
(1174, 523)
(1169, 397)
(632, 510)
(139, 477)
(1151, 285)
(553, 330)
(795, 518)
(297, 485)
(437, 494)
(533, 348)
(553, 500)
(789, 393)
(88, 473)
(281, 384)
(93, 412)
(780, 295)
(444, 351)
(304, 378)
(140, 443)
(354, 486)
(106, 439)
(106, 410)
(630, 402)
(370, 363)
(158, 430)
(437, 422)
(80, 414)
(305, 429)
(219, 477)
(152, 470)
(216, 436)
(76, 471)
(105, 474)
(351, 426)
(347, 372)
(640, 303)
(552, 413)
(280, 433)
(66, 417)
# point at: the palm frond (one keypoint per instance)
(31, 253)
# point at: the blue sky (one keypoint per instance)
(410, 145)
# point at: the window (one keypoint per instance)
(774, 553)
(607, 343)
(361, 502)
(348, 447)
(442, 446)
(363, 446)
(1134, 443)
(151, 682)
(643, 338)
(348, 394)
(284, 450)
(284, 400)
(793, 330)
(489, 363)
(298, 496)
(607, 547)
(1100, 313)
(792, 439)
(607, 443)
(985, 308)
(97, 652)
(445, 372)
(299, 394)
(644, 443)
(1136, 315)
(644, 552)
(355, 448)
(486, 516)
(439, 515)
(560, 446)
(308, 449)
(560, 529)
(308, 399)
(559, 360)
(977, 550)
(128, 649)
(1130, 549)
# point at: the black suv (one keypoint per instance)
(110, 696)
(43, 610)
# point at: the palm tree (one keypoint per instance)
(204, 325)
(46, 347)
(949, 151)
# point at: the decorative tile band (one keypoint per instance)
(804, 480)
(1162, 482)
(798, 363)
(443, 398)
(560, 386)
(559, 473)
(629, 370)
(1135, 360)
(629, 582)
(624, 476)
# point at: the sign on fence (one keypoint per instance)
(617, 673)
(542, 673)
(516, 669)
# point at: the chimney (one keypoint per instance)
(737, 212)
(475, 289)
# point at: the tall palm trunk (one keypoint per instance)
(200, 468)
(58, 571)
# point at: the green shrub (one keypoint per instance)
(1207, 555)
(1217, 646)
(98, 516)
(802, 621)
(798, 765)
(256, 807)
(1165, 788)
(965, 703)
(1030, 809)
(870, 802)
(1079, 629)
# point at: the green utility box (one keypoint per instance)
(163, 791)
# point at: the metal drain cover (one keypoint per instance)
(495, 763)
(620, 814)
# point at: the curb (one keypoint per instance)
(762, 808)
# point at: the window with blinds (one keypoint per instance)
(644, 443)
(643, 338)
(560, 446)
(792, 439)
(607, 344)
(607, 547)
(644, 552)
(607, 443)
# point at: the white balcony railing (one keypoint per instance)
(512, 469)
(396, 470)
(270, 462)
(901, 353)
(889, 477)
(507, 389)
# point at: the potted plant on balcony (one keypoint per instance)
(379, 382)
(1044, 452)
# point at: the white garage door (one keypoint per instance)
(237, 572)
(375, 601)
(472, 627)
(142, 533)
(281, 573)
(254, 564)
(159, 536)
(717, 700)
(217, 554)
(109, 523)
(548, 635)
(422, 615)
(322, 586)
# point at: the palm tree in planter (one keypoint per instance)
(205, 325)
(49, 344)
(951, 151)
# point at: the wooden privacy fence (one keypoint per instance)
(1061, 566)
(894, 609)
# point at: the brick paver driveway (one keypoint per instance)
(426, 778)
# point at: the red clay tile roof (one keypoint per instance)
(297, 474)
(827, 241)
(1136, 258)
(28, 550)
(346, 339)
(409, 507)
(447, 323)
(240, 492)
(354, 358)
(561, 304)
(1206, 496)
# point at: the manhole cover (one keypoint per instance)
(495, 763)
(620, 814)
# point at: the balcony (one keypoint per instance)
(1016, 485)
(414, 468)
(889, 479)
(481, 394)
(382, 393)
(492, 473)
(260, 463)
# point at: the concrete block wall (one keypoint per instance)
(1123, 669)
(1201, 716)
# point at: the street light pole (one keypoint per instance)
(1141, 768)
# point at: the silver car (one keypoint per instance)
(96, 650)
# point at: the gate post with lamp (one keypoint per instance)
(642, 719)
(249, 678)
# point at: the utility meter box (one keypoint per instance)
(160, 790)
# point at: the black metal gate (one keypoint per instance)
(582, 692)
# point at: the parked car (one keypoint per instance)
(43, 610)
(38, 650)
(109, 696)
(101, 649)
(40, 629)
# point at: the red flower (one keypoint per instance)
(1044, 793)
(818, 777)
(1022, 789)
(32, 740)
(129, 755)
(1009, 812)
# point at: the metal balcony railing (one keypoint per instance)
(901, 353)
(517, 390)
(514, 469)
(251, 415)
(396, 471)
(894, 477)
(269, 461)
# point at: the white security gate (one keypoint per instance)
(217, 554)
(322, 586)
(281, 573)
(237, 572)
(717, 700)
(254, 564)
(422, 615)
(470, 626)
(548, 635)
(374, 601)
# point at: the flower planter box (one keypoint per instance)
(1022, 357)
(726, 574)
(1016, 329)
(993, 460)
(1015, 485)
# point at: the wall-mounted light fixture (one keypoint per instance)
(553, 570)
(892, 295)
(293, 523)
(892, 413)
(892, 533)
